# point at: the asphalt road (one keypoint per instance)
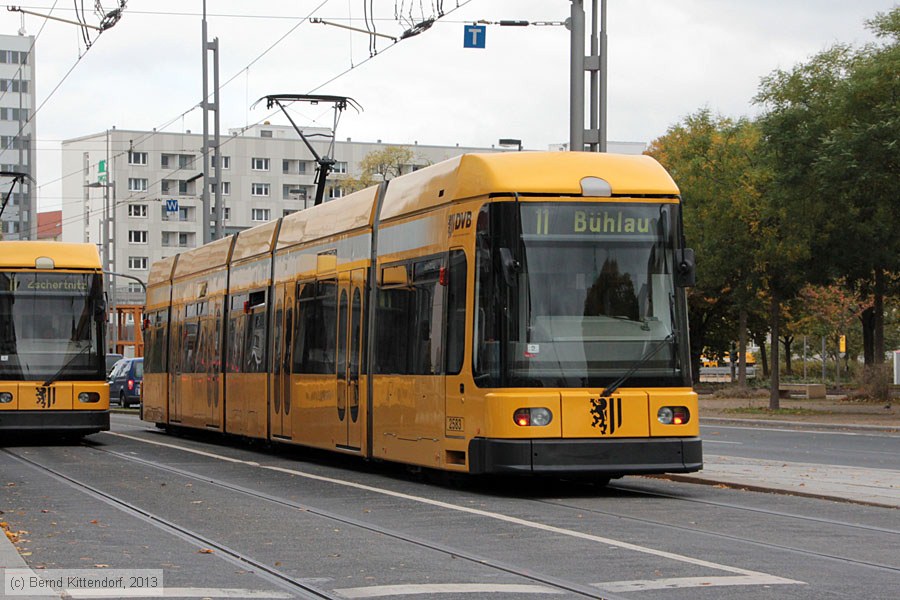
(839, 447)
(229, 520)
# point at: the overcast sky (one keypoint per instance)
(667, 59)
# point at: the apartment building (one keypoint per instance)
(17, 134)
(147, 186)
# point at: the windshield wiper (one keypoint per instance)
(62, 369)
(611, 388)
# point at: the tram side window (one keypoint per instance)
(315, 338)
(188, 347)
(392, 327)
(234, 346)
(456, 311)
(410, 320)
(235, 342)
(255, 339)
(429, 320)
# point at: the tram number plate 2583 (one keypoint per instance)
(455, 424)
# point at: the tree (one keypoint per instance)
(378, 166)
(833, 126)
(828, 311)
(716, 163)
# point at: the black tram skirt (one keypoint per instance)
(68, 421)
(604, 457)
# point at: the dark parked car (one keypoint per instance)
(111, 360)
(125, 382)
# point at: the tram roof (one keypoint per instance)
(23, 254)
(203, 258)
(353, 211)
(161, 270)
(472, 175)
(254, 241)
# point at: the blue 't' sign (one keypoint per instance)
(474, 36)
(172, 205)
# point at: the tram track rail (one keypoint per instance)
(669, 525)
(269, 574)
(275, 576)
(656, 523)
(743, 540)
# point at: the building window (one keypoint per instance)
(226, 212)
(265, 133)
(340, 167)
(184, 187)
(185, 160)
(259, 214)
(137, 236)
(13, 114)
(287, 211)
(164, 161)
(137, 210)
(226, 161)
(13, 57)
(260, 164)
(335, 192)
(260, 189)
(136, 184)
(226, 188)
(13, 85)
(137, 158)
(301, 167)
(137, 263)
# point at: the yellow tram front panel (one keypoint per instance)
(59, 396)
(674, 398)
(587, 414)
(500, 409)
(34, 396)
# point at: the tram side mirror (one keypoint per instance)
(686, 271)
(509, 265)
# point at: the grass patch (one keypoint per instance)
(796, 412)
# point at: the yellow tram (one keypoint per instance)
(495, 313)
(52, 338)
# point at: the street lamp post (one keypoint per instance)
(107, 251)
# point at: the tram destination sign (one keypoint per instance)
(603, 220)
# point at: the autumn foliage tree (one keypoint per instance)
(716, 163)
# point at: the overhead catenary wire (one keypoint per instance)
(147, 137)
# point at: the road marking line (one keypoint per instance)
(797, 431)
(473, 511)
(639, 585)
(378, 591)
(174, 592)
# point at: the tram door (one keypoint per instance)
(175, 366)
(349, 342)
(281, 363)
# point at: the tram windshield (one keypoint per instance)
(576, 294)
(51, 326)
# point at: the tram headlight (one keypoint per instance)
(89, 397)
(673, 415)
(6, 397)
(532, 417)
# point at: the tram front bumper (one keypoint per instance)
(605, 457)
(81, 421)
